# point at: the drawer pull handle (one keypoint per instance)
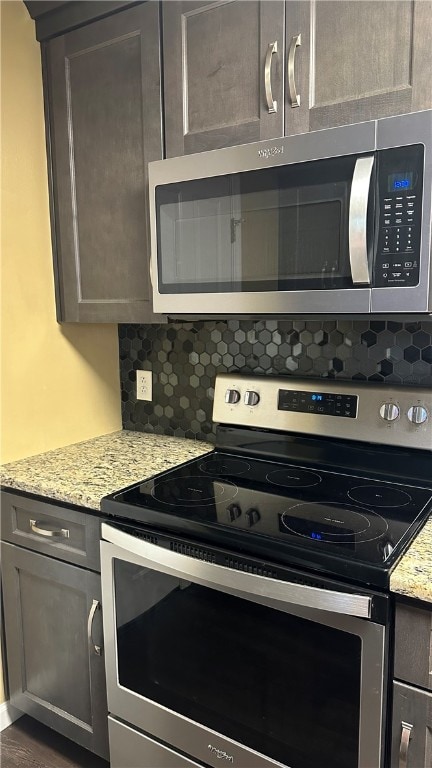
(49, 533)
(404, 744)
(94, 607)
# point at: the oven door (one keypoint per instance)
(221, 664)
(271, 227)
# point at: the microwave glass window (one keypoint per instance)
(282, 228)
(282, 685)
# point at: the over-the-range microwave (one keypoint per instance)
(332, 221)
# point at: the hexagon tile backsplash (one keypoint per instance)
(185, 358)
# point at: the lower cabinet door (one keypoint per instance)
(412, 727)
(53, 629)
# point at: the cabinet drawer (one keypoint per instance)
(65, 534)
(413, 645)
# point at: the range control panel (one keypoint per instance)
(327, 403)
(400, 182)
(389, 415)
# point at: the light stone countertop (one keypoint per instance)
(82, 473)
(413, 576)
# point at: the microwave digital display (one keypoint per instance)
(400, 182)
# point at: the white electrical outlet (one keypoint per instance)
(144, 385)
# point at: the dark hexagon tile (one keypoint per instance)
(427, 355)
(412, 354)
(368, 338)
(421, 339)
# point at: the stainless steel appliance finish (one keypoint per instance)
(371, 282)
(193, 738)
(235, 585)
(389, 416)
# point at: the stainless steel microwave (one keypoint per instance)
(332, 221)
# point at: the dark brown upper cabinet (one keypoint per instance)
(104, 124)
(356, 61)
(223, 73)
(337, 62)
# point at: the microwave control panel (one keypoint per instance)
(400, 183)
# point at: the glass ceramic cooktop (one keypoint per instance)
(353, 518)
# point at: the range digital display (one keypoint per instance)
(326, 404)
(400, 182)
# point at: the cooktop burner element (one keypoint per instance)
(334, 523)
(193, 490)
(379, 496)
(225, 466)
(292, 477)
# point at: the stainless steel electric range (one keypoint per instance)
(247, 613)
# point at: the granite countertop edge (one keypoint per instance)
(83, 473)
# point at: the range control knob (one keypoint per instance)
(251, 397)
(252, 516)
(233, 512)
(232, 396)
(417, 414)
(389, 411)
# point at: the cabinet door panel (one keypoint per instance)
(54, 673)
(413, 645)
(103, 82)
(214, 59)
(412, 714)
(359, 60)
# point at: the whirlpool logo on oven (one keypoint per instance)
(220, 753)
(270, 152)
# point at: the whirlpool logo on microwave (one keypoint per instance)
(220, 753)
(270, 152)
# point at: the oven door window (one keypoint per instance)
(275, 229)
(284, 686)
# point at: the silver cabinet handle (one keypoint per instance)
(49, 533)
(357, 227)
(271, 104)
(94, 607)
(404, 744)
(293, 95)
(277, 593)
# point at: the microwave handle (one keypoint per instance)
(357, 228)
(274, 592)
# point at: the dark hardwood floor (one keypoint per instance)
(29, 744)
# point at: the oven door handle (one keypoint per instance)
(271, 592)
(357, 225)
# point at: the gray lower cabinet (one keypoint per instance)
(356, 61)
(102, 87)
(53, 630)
(411, 745)
(412, 727)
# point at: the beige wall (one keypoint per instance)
(59, 384)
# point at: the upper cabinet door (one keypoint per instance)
(104, 119)
(356, 61)
(223, 73)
